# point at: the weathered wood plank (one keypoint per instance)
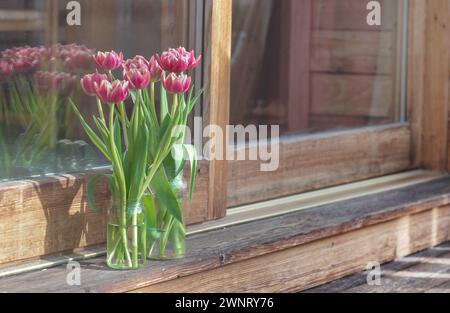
(408, 274)
(304, 266)
(384, 222)
(352, 95)
(356, 52)
(436, 85)
(51, 215)
(321, 161)
(216, 102)
(351, 15)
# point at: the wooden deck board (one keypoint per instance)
(423, 272)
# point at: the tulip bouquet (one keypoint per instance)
(35, 83)
(138, 142)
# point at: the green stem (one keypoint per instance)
(123, 118)
(100, 110)
(153, 104)
(165, 237)
(135, 249)
(117, 168)
(174, 105)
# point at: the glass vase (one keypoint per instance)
(169, 238)
(126, 235)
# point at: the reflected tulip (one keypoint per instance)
(112, 93)
(176, 83)
(88, 82)
(6, 69)
(108, 60)
(61, 83)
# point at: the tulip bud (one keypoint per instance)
(112, 93)
(138, 62)
(178, 60)
(108, 60)
(176, 83)
(88, 82)
(6, 69)
(139, 78)
(155, 70)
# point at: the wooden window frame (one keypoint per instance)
(56, 205)
(334, 158)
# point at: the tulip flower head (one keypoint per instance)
(54, 82)
(108, 61)
(88, 82)
(139, 78)
(155, 70)
(138, 62)
(6, 68)
(176, 83)
(112, 93)
(177, 60)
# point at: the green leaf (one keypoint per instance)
(149, 206)
(164, 107)
(192, 154)
(161, 186)
(91, 134)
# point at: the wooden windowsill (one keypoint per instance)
(222, 247)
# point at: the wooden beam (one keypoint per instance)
(416, 74)
(217, 97)
(295, 77)
(436, 85)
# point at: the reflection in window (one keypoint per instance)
(316, 65)
(42, 60)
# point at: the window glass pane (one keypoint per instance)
(317, 65)
(39, 133)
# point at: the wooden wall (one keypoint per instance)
(323, 66)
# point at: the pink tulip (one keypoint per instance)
(108, 60)
(192, 61)
(176, 83)
(6, 69)
(177, 60)
(88, 82)
(112, 93)
(62, 83)
(139, 78)
(155, 70)
(137, 62)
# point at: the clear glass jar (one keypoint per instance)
(169, 238)
(126, 235)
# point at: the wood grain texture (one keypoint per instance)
(356, 52)
(436, 85)
(321, 161)
(351, 15)
(295, 79)
(352, 95)
(415, 80)
(51, 215)
(380, 226)
(302, 267)
(426, 271)
(216, 103)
